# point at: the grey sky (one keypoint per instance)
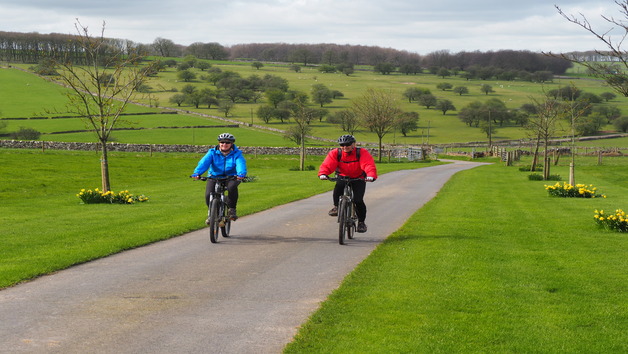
(416, 26)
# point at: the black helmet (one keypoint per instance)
(226, 136)
(346, 139)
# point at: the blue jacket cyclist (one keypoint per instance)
(223, 160)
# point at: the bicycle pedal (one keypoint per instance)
(221, 223)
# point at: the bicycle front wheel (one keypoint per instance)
(343, 207)
(351, 222)
(214, 220)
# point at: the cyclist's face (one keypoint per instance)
(347, 148)
(225, 145)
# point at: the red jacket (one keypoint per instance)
(349, 165)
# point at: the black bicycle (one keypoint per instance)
(218, 211)
(347, 217)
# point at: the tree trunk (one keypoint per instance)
(572, 174)
(572, 166)
(104, 167)
(535, 159)
(546, 162)
(302, 153)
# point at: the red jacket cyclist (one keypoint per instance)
(350, 161)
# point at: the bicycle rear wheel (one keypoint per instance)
(214, 220)
(225, 228)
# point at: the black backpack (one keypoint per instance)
(357, 155)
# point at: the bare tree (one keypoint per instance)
(165, 47)
(407, 122)
(347, 119)
(574, 112)
(378, 111)
(615, 54)
(302, 116)
(543, 127)
(102, 88)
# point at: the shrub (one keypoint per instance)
(144, 88)
(614, 222)
(528, 168)
(97, 196)
(305, 168)
(26, 134)
(621, 124)
(566, 190)
(538, 177)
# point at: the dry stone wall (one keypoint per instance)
(397, 153)
(201, 149)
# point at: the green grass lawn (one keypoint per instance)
(45, 228)
(27, 95)
(609, 143)
(492, 264)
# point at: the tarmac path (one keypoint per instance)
(247, 294)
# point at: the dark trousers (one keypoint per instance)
(232, 189)
(359, 188)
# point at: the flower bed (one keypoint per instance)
(97, 196)
(566, 190)
(615, 222)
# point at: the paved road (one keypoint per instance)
(246, 294)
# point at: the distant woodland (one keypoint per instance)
(34, 47)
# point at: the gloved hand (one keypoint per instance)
(323, 177)
(370, 179)
(195, 176)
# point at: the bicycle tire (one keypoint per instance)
(351, 222)
(226, 229)
(214, 220)
(342, 220)
(348, 222)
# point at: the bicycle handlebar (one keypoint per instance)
(204, 178)
(343, 178)
(228, 178)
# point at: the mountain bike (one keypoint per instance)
(218, 211)
(347, 217)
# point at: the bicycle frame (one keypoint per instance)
(218, 211)
(347, 218)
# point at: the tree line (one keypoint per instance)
(34, 47)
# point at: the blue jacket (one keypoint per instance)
(220, 165)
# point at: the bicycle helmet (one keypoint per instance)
(227, 137)
(346, 139)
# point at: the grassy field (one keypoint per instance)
(442, 128)
(45, 228)
(491, 265)
(434, 127)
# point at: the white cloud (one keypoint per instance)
(402, 24)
